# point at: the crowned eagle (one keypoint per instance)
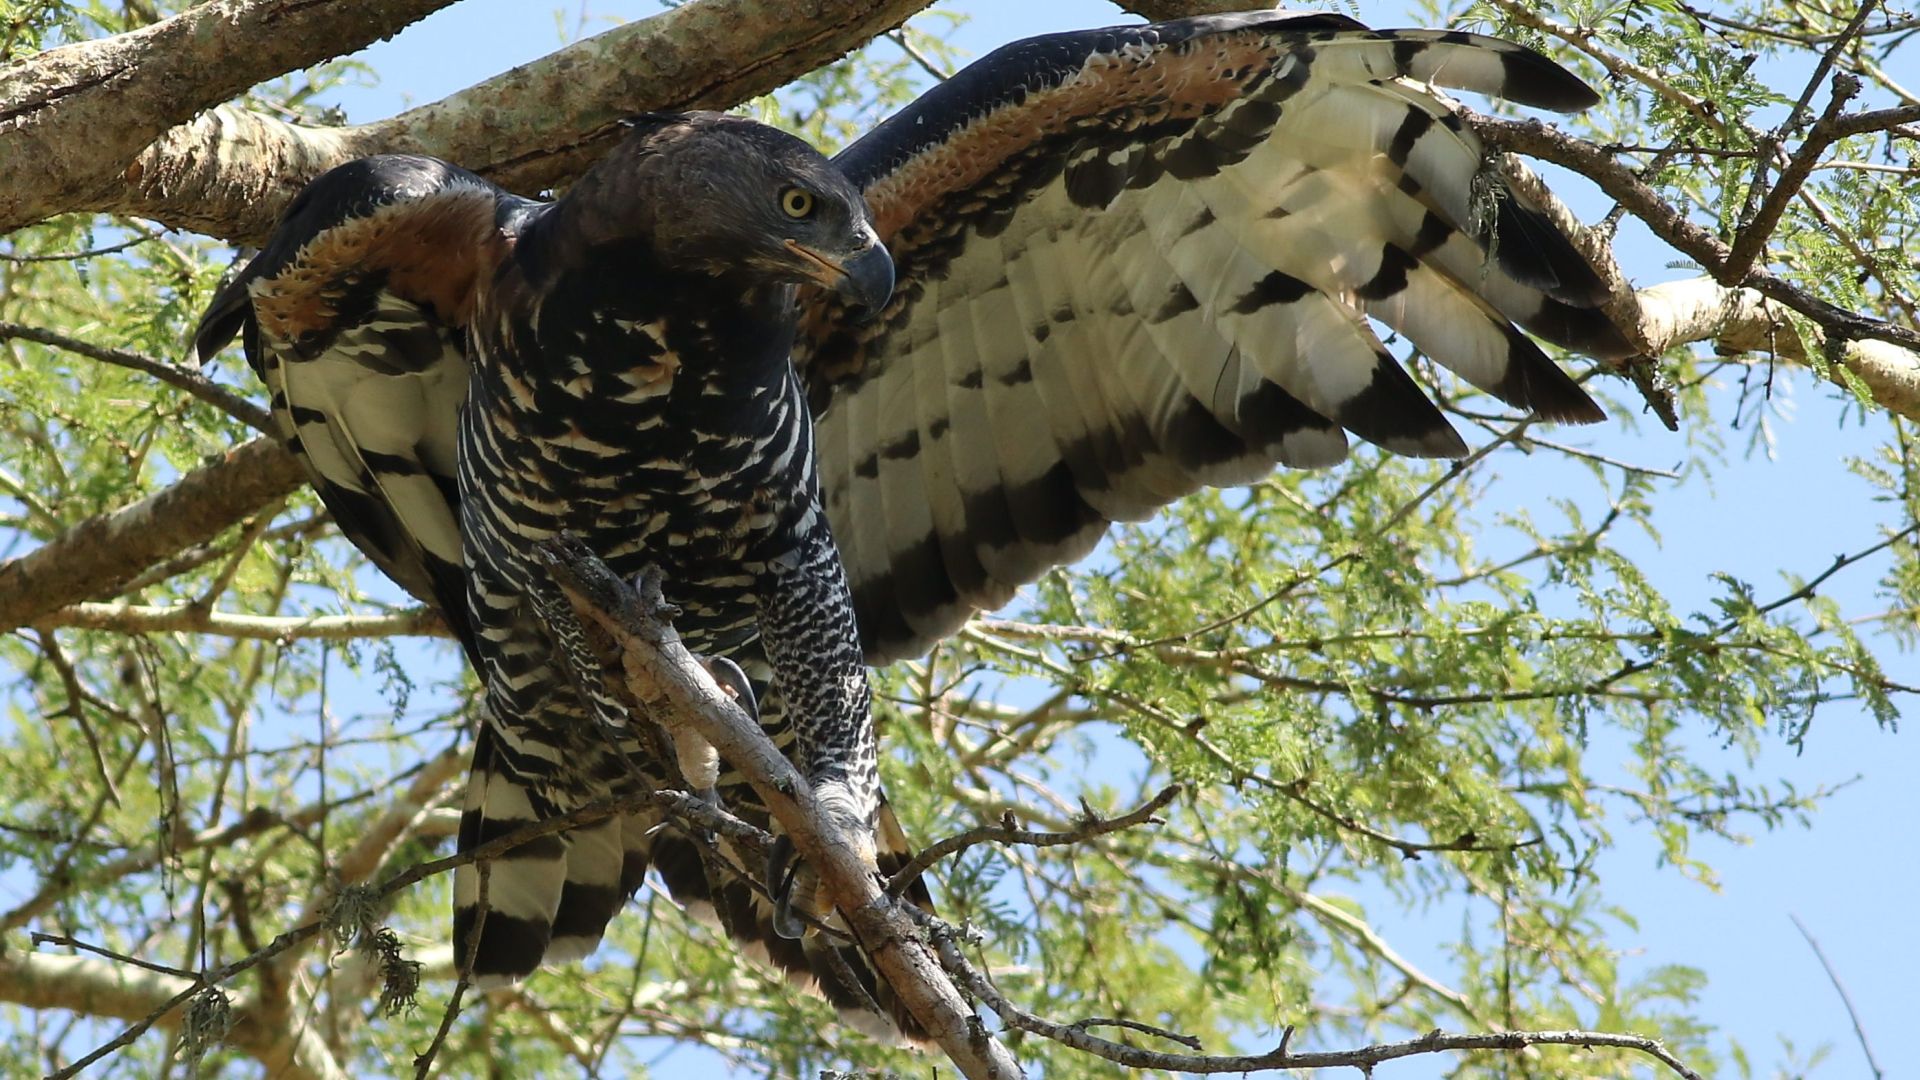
(842, 404)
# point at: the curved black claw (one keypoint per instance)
(730, 677)
(782, 866)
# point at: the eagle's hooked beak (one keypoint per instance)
(864, 278)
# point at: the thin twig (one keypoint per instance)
(42, 938)
(423, 1062)
(172, 374)
(1009, 833)
(1188, 1041)
(1282, 1056)
(1859, 1030)
(1400, 513)
(76, 256)
(914, 53)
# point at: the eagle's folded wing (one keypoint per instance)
(1135, 261)
(354, 317)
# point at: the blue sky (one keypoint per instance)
(1851, 877)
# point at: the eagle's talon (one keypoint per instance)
(782, 867)
(704, 833)
(649, 585)
(734, 682)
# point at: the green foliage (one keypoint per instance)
(1382, 693)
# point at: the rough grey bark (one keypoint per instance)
(1177, 9)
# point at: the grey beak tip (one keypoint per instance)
(869, 281)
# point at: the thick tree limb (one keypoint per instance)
(1743, 321)
(661, 674)
(97, 556)
(1180, 9)
(229, 172)
(73, 118)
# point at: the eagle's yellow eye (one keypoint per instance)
(796, 202)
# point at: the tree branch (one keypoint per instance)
(1535, 139)
(230, 171)
(172, 374)
(72, 119)
(1846, 999)
(169, 999)
(1743, 321)
(377, 839)
(1751, 240)
(1180, 9)
(1009, 832)
(97, 556)
(1282, 1056)
(111, 990)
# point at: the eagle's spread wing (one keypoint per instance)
(1140, 260)
(354, 318)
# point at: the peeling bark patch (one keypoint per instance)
(53, 94)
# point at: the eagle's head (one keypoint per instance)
(721, 195)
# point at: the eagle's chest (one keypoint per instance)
(658, 442)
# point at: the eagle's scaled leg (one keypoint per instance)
(807, 627)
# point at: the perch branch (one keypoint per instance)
(663, 675)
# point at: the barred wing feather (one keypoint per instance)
(1136, 261)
